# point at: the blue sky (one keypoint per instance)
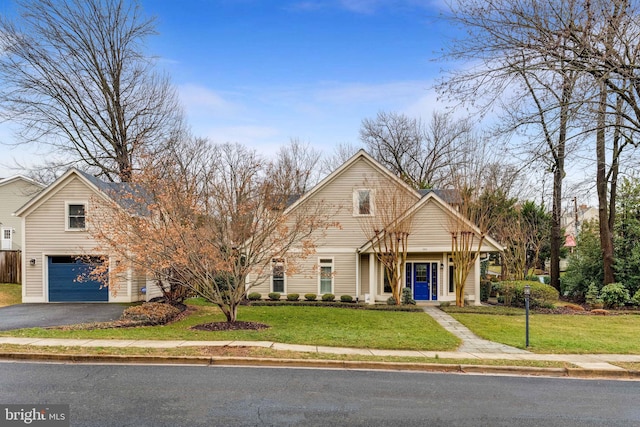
(260, 72)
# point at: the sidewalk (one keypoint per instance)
(473, 347)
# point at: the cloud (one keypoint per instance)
(384, 93)
(199, 100)
(364, 7)
(251, 135)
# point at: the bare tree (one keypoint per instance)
(512, 42)
(388, 226)
(341, 153)
(206, 219)
(75, 76)
(295, 169)
(418, 153)
(585, 55)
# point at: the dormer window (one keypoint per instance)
(76, 216)
(363, 202)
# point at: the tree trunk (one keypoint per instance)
(557, 239)
(606, 235)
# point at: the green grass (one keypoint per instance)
(325, 326)
(10, 294)
(549, 333)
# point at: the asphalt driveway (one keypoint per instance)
(43, 315)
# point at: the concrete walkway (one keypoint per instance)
(471, 343)
(473, 347)
(586, 361)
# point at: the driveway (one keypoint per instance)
(43, 315)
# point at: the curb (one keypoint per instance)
(324, 364)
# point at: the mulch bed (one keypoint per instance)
(226, 326)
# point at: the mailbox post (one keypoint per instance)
(527, 293)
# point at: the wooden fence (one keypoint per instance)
(10, 267)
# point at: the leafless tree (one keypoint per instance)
(207, 218)
(341, 153)
(419, 153)
(388, 227)
(296, 168)
(75, 75)
(510, 42)
(581, 56)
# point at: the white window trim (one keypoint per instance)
(356, 202)
(284, 281)
(333, 271)
(66, 214)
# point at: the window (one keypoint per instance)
(277, 275)
(6, 234)
(326, 276)
(76, 219)
(387, 281)
(363, 202)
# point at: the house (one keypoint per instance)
(345, 261)
(14, 192)
(58, 248)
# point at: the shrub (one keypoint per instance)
(328, 297)
(512, 294)
(151, 313)
(407, 298)
(592, 296)
(310, 297)
(346, 298)
(391, 301)
(614, 295)
(485, 290)
(254, 296)
(445, 304)
(274, 296)
(636, 298)
(293, 297)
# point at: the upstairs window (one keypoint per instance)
(363, 202)
(76, 219)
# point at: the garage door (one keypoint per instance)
(64, 285)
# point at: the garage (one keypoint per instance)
(64, 285)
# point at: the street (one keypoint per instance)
(136, 395)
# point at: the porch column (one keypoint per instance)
(476, 281)
(372, 278)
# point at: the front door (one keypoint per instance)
(425, 281)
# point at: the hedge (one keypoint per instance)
(512, 293)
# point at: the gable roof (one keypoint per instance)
(101, 188)
(15, 178)
(361, 154)
(433, 196)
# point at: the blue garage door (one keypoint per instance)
(64, 285)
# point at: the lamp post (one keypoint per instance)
(527, 293)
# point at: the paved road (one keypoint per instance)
(55, 314)
(118, 395)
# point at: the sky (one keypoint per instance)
(261, 72)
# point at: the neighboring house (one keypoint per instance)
(345, 262)
(14, 192)
(56, 235)
(572, 222)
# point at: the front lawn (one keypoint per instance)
(324, 326)
(556, 333)
(10, 294)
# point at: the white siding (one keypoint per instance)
(13, 195)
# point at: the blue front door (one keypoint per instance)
(425, 281)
